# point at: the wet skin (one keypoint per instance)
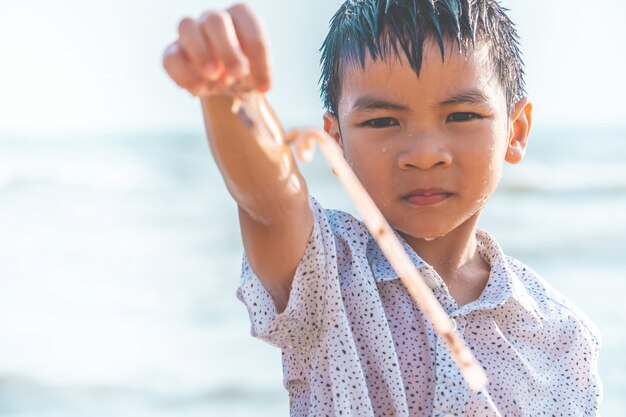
(430, 150)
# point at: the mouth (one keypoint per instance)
(426, 196)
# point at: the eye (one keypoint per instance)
(463, 117)
(381, 123)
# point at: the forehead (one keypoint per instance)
(393, 77)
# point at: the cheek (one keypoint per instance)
(361, 164)
(354, 157)
(351, 155)
(372, 165)
(359, 156)
(483, 167)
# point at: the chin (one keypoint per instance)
(431, 236)
(426, 235)
(432, 227)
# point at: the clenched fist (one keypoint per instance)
(220, 49)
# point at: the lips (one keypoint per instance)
(427, 196)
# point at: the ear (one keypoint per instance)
(519, 127)
(331, 126)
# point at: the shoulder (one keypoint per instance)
(342, 225)
(552, 306)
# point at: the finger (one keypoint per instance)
(254, 44)
(218, 28)
(178, 67)
(197, 49)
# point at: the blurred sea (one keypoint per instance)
(120, 257)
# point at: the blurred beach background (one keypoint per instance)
(119, 245)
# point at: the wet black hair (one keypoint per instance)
(377, 27)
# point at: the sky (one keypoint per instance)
(77, 66)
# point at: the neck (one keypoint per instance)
(456, 260)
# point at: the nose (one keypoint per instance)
(423, 151)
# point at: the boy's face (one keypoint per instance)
(429, 149)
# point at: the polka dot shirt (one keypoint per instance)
(355, 344)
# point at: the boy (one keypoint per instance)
(427, 101)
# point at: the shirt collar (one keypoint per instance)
(504, 284)
(382, 269)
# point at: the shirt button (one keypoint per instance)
(454, 327)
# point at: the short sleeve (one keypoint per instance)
(314, 281)
(590, 344)
(580, 359)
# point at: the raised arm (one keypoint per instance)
(221, 51)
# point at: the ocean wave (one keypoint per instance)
(71, 173)
(587, 179)
(122, 171)
(23, 394)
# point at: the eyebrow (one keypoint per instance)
(367, 102)
(472, 96)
